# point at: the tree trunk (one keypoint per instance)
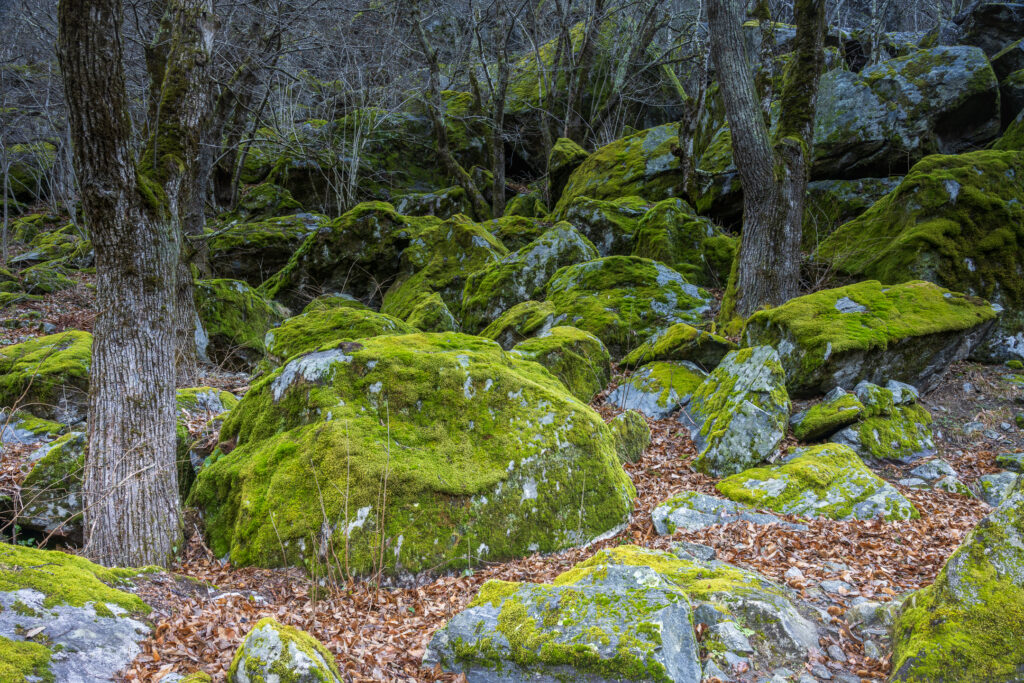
(774, 172)
(131, 509)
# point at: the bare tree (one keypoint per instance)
(131, 508)
(774, 168)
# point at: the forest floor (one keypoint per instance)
(204, 608)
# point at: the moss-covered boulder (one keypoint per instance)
(67, 245)
(894, 426)
(867, 331)
(51, 494)
(997, 487)
(566, 156)
(262, 201)
(521, 275)
(440, 259)
(46, 278)
(576, 357)
(681, 342)
(947, 99)
(671, 232)
(992, 26)
(445, 203)
(1013, 137)
(936, 474)
(48, 376)
(233, 320)
(832, 203)
(430, 314)
(638, 165)
(312, 329)
(479, 455)
(274, 651)
(63, 618)
(632, 435)
(515, 232)
(28, 430)
(527, 204)
(957, 221)
(358, 253)
(610, 223)
(658, 389)
(623, 300)
(694, 511)
(737, 416)
(969, 624)
(253, 251)
(819, 481)
(626, 614)
(523, 321)
(837, 410)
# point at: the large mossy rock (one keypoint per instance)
(623, 300)
(992, 25)
(358, 253)
(867, 331)
(479, 455)
(638, 165)
(819, 481)
(273, 651)
(521, 275)
(254, 251)
(233, 320)
(51, 494)
(837, 410)
(440, 258)
(681, 342)
(658, 388)
(608, 223)
(576, 357)
(957, 221)
(566, 156)
(875, 123)
(969, 624)
(522, 321)
(48, 376)
(894, 426)
(671, 232)
(63, 618)
(632, 435)
(314, 328)
(832, 203)
(626, 614)
(737, 416)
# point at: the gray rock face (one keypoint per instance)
(499, 286)
(692, 511)
(738, 415)
(52, 492)
(935, 474)
(658, 389)
(608, 224)
(622, 595)
(994, 489)
(94, 646)
(273, 651)
(27, 430)
(942, 100)
(992, 25)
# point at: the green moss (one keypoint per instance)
(566, 156)
(515, 232)
(623, 300)
(820, 334)
(828, 417)
(671, 232)
(681, 342)
(632, 435)
(254, 250)
(969, 624)
(528, 205)
(1013, 137)
(608, 223)
(521, 322)
(576, 357)
(313, 329)
(439, 418)
(236, 319)
(22, 661)
(641, 165)
(954, 220)
(323, 667)
(38, 372)
(823, 481)
(66, 579)
(494, 592)
(896, 436)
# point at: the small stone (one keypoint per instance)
(872, 650)
(821, 671)
(1019, 419)
(1005, 426)
(973, 428)
(968, 388)
(837, 587)
(794, 575)
(836, 653)
(712, 672)
(694, 551)
(1011, 461)
(732, 638)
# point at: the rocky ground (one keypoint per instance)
(204, 607)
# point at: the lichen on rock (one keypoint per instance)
(658, 389)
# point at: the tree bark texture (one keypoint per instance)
(774, 169)
(131, 509)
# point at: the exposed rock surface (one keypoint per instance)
(273, 651)
(658, 389)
